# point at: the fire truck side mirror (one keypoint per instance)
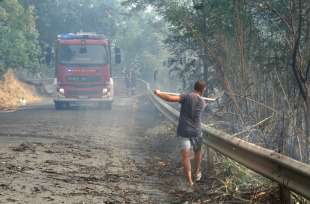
(118, 56)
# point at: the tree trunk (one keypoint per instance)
(240, 38)
(307, 129)
(205, 68)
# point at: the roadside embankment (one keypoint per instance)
(14, 93)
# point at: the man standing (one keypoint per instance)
(189, 127)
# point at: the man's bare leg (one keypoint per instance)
(187, 166)
(198, 158)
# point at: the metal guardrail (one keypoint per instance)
(43, 86)
(36, 82)
(286, 171)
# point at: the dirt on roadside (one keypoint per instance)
(14, 93)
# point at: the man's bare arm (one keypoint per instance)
(167, 97)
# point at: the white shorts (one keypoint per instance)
(185, 143)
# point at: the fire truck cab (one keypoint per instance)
(83, 70)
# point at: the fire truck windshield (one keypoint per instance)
(82, 54)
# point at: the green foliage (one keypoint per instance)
(18, 37)
(55, 17)
(140, 38)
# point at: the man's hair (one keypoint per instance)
(200, 85)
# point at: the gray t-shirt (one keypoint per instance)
(192, 107)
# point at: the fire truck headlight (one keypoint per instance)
(62, 91)
(104, 91)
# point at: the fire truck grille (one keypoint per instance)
(84, 78)
(77, 93)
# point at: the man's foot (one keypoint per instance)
(185, 186)
(198, 176)
(190, 188)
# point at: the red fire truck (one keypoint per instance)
(83, 70)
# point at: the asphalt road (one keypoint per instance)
(84, 155)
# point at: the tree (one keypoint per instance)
(19, 47)
(141, 41)
(56, 17)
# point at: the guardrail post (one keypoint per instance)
(285, 195)
(210, 159)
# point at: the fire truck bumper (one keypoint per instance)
(86, 101)
(83, 100)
